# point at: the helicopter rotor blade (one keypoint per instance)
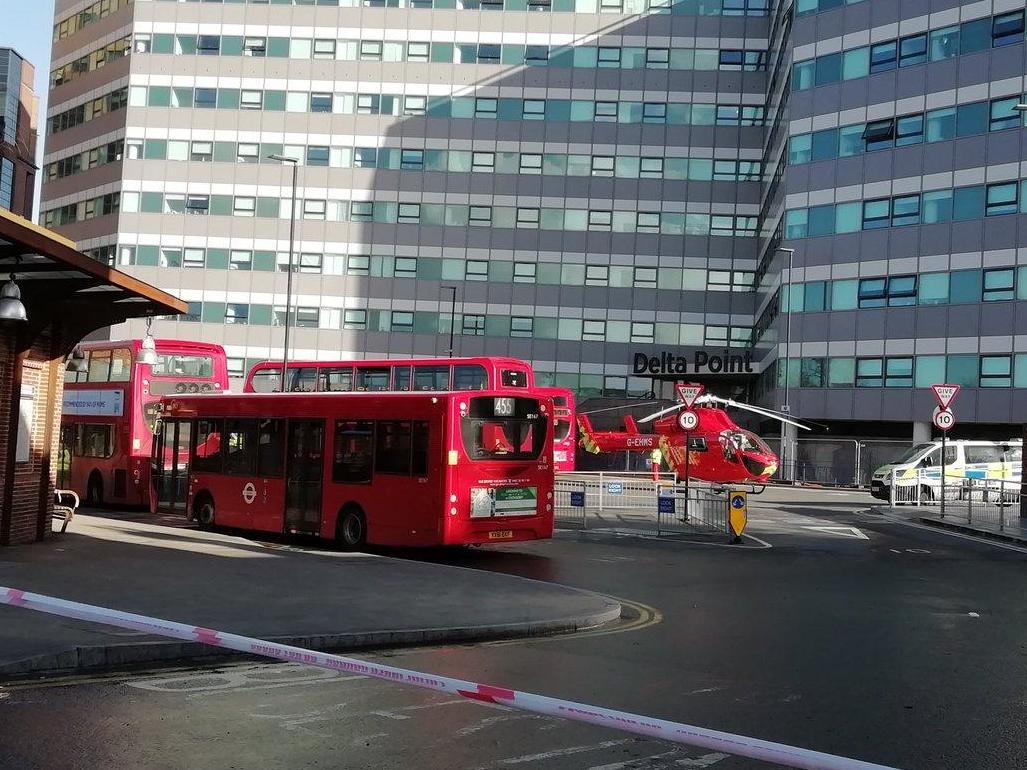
(654, 415)
(755, 409)
(624, 406)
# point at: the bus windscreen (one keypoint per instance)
(182, 365)
(503, 429)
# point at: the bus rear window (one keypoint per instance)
(514, 378)
(179, 365)
(503, 429)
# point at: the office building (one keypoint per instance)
(19, 106)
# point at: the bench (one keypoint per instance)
(65, 503)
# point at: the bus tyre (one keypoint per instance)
(205, 512)
(926, 494)
(94, 489)
(351, 531)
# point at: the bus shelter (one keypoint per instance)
(51, 297)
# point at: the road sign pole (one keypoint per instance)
(944, 433)
(686, 476)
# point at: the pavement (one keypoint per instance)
(307, 595)
(852, 633)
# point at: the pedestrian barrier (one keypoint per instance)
(649, 727)
(634, 503)
(979, 502)
(834, 462)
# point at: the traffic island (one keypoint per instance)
(308, 597)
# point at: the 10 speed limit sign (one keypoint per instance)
(943, 419)
(688, 420)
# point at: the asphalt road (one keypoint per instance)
(851, 634)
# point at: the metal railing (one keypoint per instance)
(835, 462)
(981, 502)
(635, 503)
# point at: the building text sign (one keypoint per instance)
(700, 362)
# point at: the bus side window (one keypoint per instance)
(372, 379)
(392, 448)
(207, 447)
(241, 443)
(269, 449)
(401, 378)
(353, 451)
(335, 380)
(514, 378)
(266, 380)
(419, 464)
(470, 377)
(431, 378)
(304, 379)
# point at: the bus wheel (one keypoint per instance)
(351, 530)
(204, 511)
(926, 494)
(94, 489)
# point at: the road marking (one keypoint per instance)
(396, 713)
(704, 689)
(487, 722)
(636, 762)
(890, 519)
(566, 752)
(842, 531)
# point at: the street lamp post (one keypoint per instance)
(786, 406)
(292, 240)
(452, 317)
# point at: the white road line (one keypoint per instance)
(397, 712)
(942, 531)
(840, 531)
(566, 752)
(482, 724)
(706, 760)
(635, 761)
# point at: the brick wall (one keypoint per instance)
(23, 516)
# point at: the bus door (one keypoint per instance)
(65, 451)
(170, 465)
(304, 470)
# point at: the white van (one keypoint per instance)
(964, 459)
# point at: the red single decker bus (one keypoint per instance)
(565, 433)
(395, 374)
(109, 413)
(387, 469)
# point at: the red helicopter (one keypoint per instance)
(719, 451)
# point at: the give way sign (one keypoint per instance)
(687, 394)
(945, 394)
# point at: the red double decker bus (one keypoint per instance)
(109, 412)
(388, 469)
(384, 375)
(565, 431)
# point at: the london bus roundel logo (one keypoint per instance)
(249, 493)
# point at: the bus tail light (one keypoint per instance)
(454, 457)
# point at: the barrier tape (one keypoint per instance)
(648, 727)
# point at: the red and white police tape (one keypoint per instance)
(649, 727)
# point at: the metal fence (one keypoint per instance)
(991, 503)
(636, 504)
(837, 462)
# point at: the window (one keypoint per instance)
(647, 222)
(476, 270)
(473, 325)
(601, 221)
(202, 151)
(354, 319)
(902, 290)
(869, 373)
(1007, 29)
(405, 267)
(207, 447)
(94, 440)
(645, 277)
(401, 321)
(483, 162)
(197, 204)
(251, 100)
(240, 447)
(248, 153)
(643, 331)
(873, 292)
(205, 98)
(657, 58)
(320, 102)
(415, 105)
(654, 112)
(255, 46)
(898, 372)
(522, 326)
(905, 210)
(999, 284)
(324, 49)
(411, 160)
(909, 130)
(525, 272)
(912, 50)
(1002, 199)
(354, 447)
(486, 108)
(996, 371)
(244, 207)
(597, 275)
(429, 377)
(528, 218)
(361, 211)
(393, 447)
(419, 52)
(370, 50)
(318, 155)
(876, 214)
(409, 213)
(594, 331)
(488, 53)
(368, 104)
(531, 163)
(883, 56)
(534, 109)
(480, 216)
(602, 165)
(314, 209)
(650, 168)
(879, 134)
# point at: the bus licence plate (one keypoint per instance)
(501, 534)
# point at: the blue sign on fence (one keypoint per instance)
(578, 499)
(615, 488)
(665, 504)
